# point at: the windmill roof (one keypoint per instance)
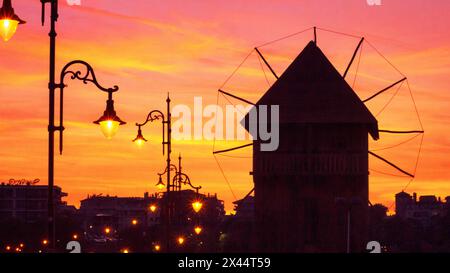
(311, 90)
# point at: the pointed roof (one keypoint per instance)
(311, 90)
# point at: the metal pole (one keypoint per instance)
(179, 172)
(348, 229)
(51, 125)
(169, 150)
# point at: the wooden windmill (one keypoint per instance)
(311, 194)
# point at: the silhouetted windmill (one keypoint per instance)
(314, 188)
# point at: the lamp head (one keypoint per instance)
(157, 247)
(198, 230)
(139, 140)
(197, 205)
(109, 122)
(8, 20)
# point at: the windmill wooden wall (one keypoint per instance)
(303, 189)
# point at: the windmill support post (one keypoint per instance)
(353, 57)
(265, 61)
(384, 90)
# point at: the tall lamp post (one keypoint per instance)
(109, 121)
(155, 115)
(178, 180)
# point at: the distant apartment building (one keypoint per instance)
(119, 213)
(423, 208)
(28, 202)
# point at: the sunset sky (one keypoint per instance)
(189, 48)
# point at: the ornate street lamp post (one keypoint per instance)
(109, 121)
(179, 177)
(166, 147)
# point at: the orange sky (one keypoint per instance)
(189, 48)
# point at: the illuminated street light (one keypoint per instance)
(125, 250)
(8, 248)
(8, 21)
(21, 245)
(160, 185)
(153, 208)
(197, 206)
(157, 247)
(109, 122)
(139, 140)
(107, 230)
(45, 242)
(75, 236)
(198, 230)
(180, 240)
(134, 222)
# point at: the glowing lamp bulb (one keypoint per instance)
(198, 230)
(197, 206)
(157, 247)
(75, 236)
(160, 185)
(125, 250)
(134, 222)
(7, 28)
(45, 242)
(152, 208)
(139, 142)
(109, 128)
(180, 240)
(107, 230)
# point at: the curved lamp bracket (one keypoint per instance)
(172, 168)
(76, 74)
(182, 178)
(152, 116)
(87, 76)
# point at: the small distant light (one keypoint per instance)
(134, 222)
(45, 242)
(180, 240)
(75, 236)
(107, 230)
(198, 230)
(125, 250)
(197, 206)
(8, 248)
(157, 247)
(21, 245)
(152, 208)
